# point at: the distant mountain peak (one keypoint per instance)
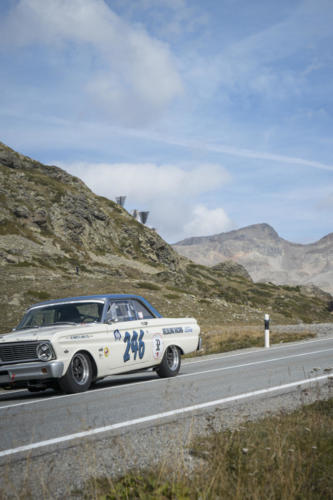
(265, 255)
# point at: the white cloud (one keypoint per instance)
(146, 181)
(137, 77)
(206, 222)
(169, 192)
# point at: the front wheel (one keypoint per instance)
(78, 376)
(170, 364)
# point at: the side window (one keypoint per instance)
(141, 310)
(90, 311)
(120, 311)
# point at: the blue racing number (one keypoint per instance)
(135, 344)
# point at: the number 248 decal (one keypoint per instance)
(134, 344)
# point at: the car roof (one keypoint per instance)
(102, 297)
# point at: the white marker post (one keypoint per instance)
(266, 330)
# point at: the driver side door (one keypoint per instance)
(127, 336)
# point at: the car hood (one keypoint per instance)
(46, 332)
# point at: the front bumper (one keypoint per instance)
(40, 371)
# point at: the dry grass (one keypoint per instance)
(289, 456)
(230, 338)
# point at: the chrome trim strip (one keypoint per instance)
(64, 303)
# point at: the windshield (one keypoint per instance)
(64, 313)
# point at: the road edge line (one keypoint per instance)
(158, 416)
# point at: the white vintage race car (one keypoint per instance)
(68, 344)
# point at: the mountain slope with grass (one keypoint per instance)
(59, 239)
(266, 256)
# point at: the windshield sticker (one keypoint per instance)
(117, 335)
(169, 331)
(140, 315)
(157, 345)
(106, 351)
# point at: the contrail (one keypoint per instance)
(221, 148)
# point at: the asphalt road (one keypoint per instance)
(35, 423)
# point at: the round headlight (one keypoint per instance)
(44, 352)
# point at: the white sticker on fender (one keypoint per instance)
(157, 345)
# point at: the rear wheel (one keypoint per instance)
(78, 376)
(170, 364)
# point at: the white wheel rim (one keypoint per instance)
(172, 357)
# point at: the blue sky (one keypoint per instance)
(212, 115)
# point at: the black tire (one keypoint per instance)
(170, 363)
(78, 376)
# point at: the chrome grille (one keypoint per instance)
(14, 352)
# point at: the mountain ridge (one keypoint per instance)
(214, 237)
(266, 256)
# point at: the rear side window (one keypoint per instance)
(120, 311)
(141, 310)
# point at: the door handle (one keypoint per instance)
(144, 323)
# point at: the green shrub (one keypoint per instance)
(172, 296)
(39, 294)
(176, 289)
(147, 285)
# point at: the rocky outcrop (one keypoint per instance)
(230, 268)
(266, 256)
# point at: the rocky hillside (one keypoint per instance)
(57, 239)
(266, 256)
(53, 219)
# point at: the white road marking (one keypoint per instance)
(253, 363)
(158, 380)
(158, 416)
(274, 347)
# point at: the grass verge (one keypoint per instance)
(216, 344)
(242, 337)
(288, 456)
